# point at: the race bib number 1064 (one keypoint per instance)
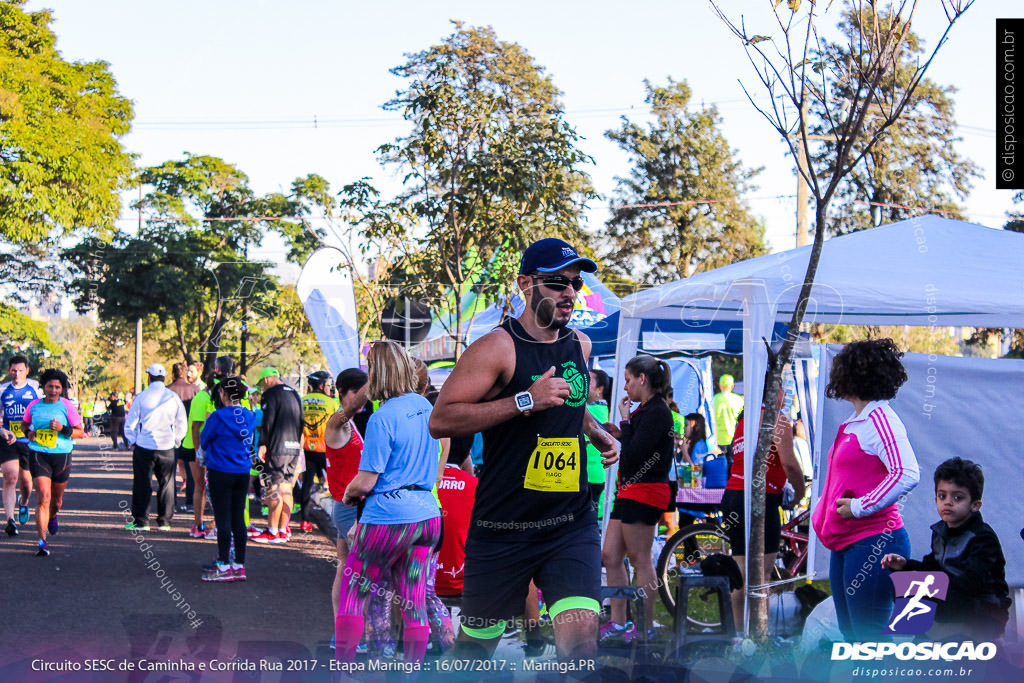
(554, 466)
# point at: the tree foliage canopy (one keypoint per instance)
(680, 208)
(188, 267)
(914, 164)
(489, 165)
(61, 160)
(18, 330)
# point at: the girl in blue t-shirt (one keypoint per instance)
(51, 423)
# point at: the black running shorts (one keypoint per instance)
(634, 512)
(498, 573)
(55, 466)
(732, 516)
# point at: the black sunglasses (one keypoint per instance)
(558, 283)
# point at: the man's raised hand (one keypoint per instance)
(549, 391)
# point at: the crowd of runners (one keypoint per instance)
(419, 526)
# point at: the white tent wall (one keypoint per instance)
(925, 271)
(966, 407)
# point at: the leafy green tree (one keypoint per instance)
(680, 209)
(489, 165)
(62, 164)
(18, 331)
(914, 163)
(310, 196)
(80, 358)
(188, 268)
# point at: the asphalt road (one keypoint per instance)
(97, 596)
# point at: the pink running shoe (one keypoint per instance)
(220, 573)
(238, 574)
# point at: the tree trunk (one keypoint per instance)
(758, 600)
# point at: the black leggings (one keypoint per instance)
(315, 464)
(227, 493)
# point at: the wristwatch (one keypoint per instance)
(524, 401)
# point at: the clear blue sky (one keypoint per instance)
(243, 80)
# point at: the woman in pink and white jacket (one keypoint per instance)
(871, 466)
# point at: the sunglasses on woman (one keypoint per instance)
(558, 283)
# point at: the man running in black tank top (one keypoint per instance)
(524, 386)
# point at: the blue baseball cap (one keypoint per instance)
(551, 254)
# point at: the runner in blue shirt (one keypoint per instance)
(50, 424)
(15, 396)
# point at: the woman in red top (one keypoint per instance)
(782, 466)
(344, 448)
(648, 445)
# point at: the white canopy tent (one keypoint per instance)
(925, 271)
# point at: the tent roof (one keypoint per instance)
(922, 271)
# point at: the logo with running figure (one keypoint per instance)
(917, 596)
(579, 383)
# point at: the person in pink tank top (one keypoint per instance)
(871, 467)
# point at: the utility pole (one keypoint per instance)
(138, 323)
(245, 319)
(138, 356)
(802, 189)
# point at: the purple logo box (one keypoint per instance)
(917, 596)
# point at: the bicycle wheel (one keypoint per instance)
(682, 555)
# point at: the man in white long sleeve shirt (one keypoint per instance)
(155, 426)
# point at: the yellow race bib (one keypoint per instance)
(47, 438)
(18, 428)
(554, 466)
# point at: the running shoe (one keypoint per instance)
(361, 649)
(211, 534)
(131, 525)
(221, 572)
(281, 537)
(164, 527)
(196, 532)
(253, 531)
(23, 514)
(238, 574)
(613, 630)
(52, 527)
(43, 551)
(11, 529)
(388, 652)
(306, 526)
(265, 537)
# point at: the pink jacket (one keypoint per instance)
(871, 457)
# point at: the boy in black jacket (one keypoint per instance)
(968, 550)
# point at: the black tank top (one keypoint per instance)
(534, 478)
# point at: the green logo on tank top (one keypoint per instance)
(578, 383)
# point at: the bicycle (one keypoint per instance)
(794, 545)
(688, 547)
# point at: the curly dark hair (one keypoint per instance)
(964, 473)
(55, 374)
(867, 370)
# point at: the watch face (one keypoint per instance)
(524, 401)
